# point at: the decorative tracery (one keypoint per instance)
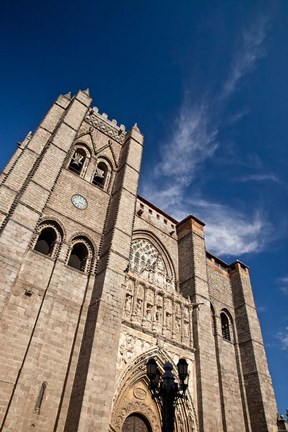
(144, 256)
(148, 263)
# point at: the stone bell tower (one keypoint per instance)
(67, 210)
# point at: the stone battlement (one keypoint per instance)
(108, 127)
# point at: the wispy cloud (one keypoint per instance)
(282, 336)
(194, 140)
(284, 279)
(260, 178)
(284, 285)
(251, 50)
(262, 308)
(229, 232)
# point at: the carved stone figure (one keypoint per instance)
(138, 307)
(128, 303)
(168, 320)
(148, 315)
(158, 314)
(177, 325)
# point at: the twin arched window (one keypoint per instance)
(48, 242)
(79, 162)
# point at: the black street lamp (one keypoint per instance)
(166, 391)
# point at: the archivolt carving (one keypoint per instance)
(132, 395)
(134, 406)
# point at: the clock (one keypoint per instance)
(79, 201)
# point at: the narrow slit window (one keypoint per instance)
(225, 326)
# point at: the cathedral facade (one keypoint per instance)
(96, 280)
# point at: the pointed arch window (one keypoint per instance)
(101, 174)
(225, 326)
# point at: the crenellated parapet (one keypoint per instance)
(108, 127)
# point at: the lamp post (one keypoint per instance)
(166, 391)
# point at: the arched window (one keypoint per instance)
(225, 326)
(78, 257)
(46, 241)
(81, 254)
(77, 161)
(100, 176)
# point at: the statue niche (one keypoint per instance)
(148, 264)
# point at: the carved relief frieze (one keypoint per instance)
(152, 309)
(152, 302)
(130, 347)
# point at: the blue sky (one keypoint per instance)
(206, 81)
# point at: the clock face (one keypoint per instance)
(79, 201)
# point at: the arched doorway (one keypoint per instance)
(135, 423)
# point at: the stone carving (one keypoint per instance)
(158, 314)
(136, 406)
(147, 263)
(157, 311)
(139, 393)
(145, 345)
(168, 320)
(177, 325)
(148, 314)
(138, 307)
(130, 346)
(186, 330)
(128, 304)
(104, 125)
(180, 424)
(150, 296)
(126, 348)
